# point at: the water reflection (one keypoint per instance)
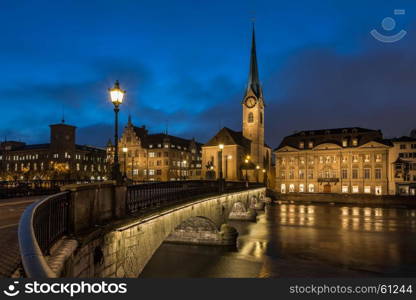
(292, 240)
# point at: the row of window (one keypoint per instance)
(328, 159)
(333, 174)
(291, 188)
(54, 155)
(35, 167)
(404, 146)
(407, 155)
(345, 143)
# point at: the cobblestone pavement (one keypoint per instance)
(10, 211)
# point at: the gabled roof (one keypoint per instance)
(228, 136)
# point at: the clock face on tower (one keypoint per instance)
(250, 101)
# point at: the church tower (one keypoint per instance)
(253, 109)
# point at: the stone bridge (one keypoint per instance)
(123, 246)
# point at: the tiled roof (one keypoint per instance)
(334, 136)
(227, 136)
(403, 139)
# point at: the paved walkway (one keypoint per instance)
(10, 211)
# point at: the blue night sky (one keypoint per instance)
(185, 63)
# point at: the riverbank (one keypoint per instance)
(360, 199)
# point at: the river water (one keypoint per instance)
(291, 240)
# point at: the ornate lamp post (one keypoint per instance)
(221, 147)
(247, 160)
(264, 177)
(257, 173)
(184, 171)
(132, 166)
(116, 97)
(125, 150)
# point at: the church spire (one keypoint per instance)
(253, 77)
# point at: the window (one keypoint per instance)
(291, 174)
(344, 159)
(367, 189)
(282, 174)
(367, 158)
(151, 154)
(354, 173)
(301, 174)
(250, 118)
(321, 159)
(291, 188)
(355, 142)
(344, 173)
(310, 174)
(310, 144)
(151, 172)
(301, 188)
(355, 189)
(158, 172)
(355, 158)
(403, 146)
(283, 188)
(378, 190)
(344, 143)
(378, 173)
(328, 159)
(366, 173)
(378, 158)
(261, 118)
(301, 145)
(344, 189)
(311, 188)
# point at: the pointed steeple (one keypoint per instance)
(129, 121)
(253, 77)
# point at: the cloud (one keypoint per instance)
(324, 89)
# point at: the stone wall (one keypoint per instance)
(124, 249)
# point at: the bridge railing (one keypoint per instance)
(24, 188)
(41, 225)
(84, 207)
(144, 196)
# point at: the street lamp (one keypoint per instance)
(247, 160)
(257, 173)
(221, 147)
(265, 177)
(116, 97)
(125, 161)
(184, 171)
(132, 166)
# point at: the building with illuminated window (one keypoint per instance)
(61, 159)
(343, 160)
(156, 157)
(403, 165)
